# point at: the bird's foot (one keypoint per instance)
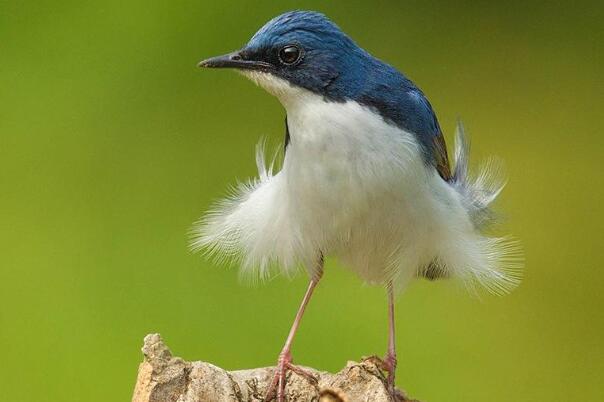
(388, 364)
(384, 364)
(277, 385)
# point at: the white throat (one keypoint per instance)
(289, 95)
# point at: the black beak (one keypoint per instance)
(234, 60)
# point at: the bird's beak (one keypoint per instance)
(235, 60)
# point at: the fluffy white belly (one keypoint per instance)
(357, 186)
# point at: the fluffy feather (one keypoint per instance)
(356, 187)
(250, 228)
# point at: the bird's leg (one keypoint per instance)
(390, 359)
(388, 363)
(277, 385)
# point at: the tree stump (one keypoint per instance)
(165, 378)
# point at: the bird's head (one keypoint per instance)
(299, 49)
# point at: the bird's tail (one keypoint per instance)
(480, 191)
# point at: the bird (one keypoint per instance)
(365, 178)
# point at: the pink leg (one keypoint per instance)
(388, 363)
(390, 359)
(285, 358)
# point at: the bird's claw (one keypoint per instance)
(376, 361)
(310, 377)
(277, 386)
(388, 364)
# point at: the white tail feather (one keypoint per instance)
(495, 263)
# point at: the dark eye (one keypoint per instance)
(289, 54)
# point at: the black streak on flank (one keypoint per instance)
(286, 136)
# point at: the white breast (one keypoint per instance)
(356, 184)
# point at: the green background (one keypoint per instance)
(112, 143)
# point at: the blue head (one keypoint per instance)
(304, 49)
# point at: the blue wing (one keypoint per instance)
(400, 102)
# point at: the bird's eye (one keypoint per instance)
(289, 54)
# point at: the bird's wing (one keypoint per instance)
(422, 121)
(399, 101)
(441, 159)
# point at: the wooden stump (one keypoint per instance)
(165, 378)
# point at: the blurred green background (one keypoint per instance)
(112, 143)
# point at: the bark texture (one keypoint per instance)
(165, 378)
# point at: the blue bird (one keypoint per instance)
(365, 178)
